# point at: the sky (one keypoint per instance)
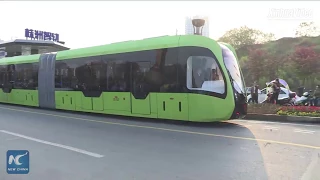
(89, 23)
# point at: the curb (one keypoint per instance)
(279, 118)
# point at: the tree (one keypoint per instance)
(255, 63)
(244, 35)
(305, 61)
(309, 29)
(271, 65)
(265, 37)
(243, 60)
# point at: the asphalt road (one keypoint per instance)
(69, 146)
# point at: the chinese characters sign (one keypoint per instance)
(41, 35)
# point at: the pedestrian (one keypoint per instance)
(316, 96)
(277, 89)
(254, 93)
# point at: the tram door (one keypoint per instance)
(140, 98)
(92, 93)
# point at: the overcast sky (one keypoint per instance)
(88, 23)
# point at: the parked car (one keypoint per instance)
(262, 95)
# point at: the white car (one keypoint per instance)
(248, 90)
(262, 95)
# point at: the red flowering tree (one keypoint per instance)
(272, 64)
(256, 63)
(306, 62)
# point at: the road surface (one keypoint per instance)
(67, 146)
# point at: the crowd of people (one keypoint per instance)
(274, 89)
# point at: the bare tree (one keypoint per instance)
(307, 29)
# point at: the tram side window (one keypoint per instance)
(26, 76)
(99, 74)
(35, 71)
(170, 71)
(203, 73)
(118, 75)
(11, 73)
(21, 79)
(9, 76)
(90, 73)
(2, 75)
(65, 75)
(147, 71)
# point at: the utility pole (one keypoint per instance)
(176, 31)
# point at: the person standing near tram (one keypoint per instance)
(276, 90)
(316, 96)
(254, 93)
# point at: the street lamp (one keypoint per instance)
(198, 26)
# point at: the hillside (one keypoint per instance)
(275, 64)
(284, 46)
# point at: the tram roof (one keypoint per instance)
(20, 59)
(119, 47)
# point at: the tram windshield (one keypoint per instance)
(232, 66)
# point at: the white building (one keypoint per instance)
(189, 26)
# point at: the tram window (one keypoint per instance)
(140, 83)
(35, 71)
(9, 76)
(10, 73)
(99, 75)
(20, 81)
(90, 73)
(26, 76)
(167, 74)
(64, 74)
(2, 75)
(203, 73)
(118, 73)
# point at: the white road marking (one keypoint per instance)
(268, 122)
(303, 131)
(54, 144)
